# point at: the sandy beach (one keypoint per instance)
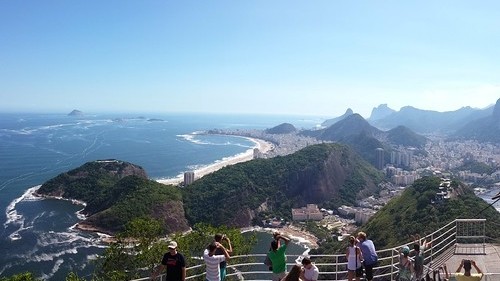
(262, 145)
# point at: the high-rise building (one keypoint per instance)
(188, 178)
(379, 158)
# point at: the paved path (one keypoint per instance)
(489, 263)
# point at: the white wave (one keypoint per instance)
(92, 257)
(52, 238)
(80, 215)
(11, 212)
(15, 236)
(50, 257)
(55, 268)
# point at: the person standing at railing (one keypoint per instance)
(467, 275)
(418, 256)
(278, 257)
(212, 261)
(310, 272)
(219, 238)
(175, 264)
(369, 253)
(354, 260)
(405, 266)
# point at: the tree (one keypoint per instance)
(140, 248)
(26, 276)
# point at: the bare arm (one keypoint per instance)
(157, 270)
(460, 266)
(183, 273)
(226, 254)
(476, 267)
(230, 250)
(286, 239)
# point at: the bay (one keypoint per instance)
(38, 235)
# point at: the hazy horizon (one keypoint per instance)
(258, 57)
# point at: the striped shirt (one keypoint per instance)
(212, 265)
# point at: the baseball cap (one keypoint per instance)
(172, 245)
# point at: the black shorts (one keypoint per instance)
(359, 272)
(369, 271)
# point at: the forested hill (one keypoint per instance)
(331, 174)
(417, 212)
(117, 192)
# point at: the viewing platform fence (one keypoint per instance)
(461, 236)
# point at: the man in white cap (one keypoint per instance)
(175, 264)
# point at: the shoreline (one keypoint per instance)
(262, 145)
(301, 237)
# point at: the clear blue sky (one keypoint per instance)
(294, 57)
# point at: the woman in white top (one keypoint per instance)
(354, 260)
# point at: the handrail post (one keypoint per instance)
(484, 237)
(392, 263)
(336, 267)
(432, 248)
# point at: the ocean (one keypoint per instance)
(38, 235)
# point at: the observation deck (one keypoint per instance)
(459, 239)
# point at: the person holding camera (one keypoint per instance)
(278, 257)
(222, 266)
(212, 261)
(467, 275)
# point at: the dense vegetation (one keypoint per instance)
(139, 249)
(134, 197)
(326, 173)
(414, 213)
(115, 192)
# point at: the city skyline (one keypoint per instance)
(280, 57)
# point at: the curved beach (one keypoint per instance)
(262, 145)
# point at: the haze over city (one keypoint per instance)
(272, 57)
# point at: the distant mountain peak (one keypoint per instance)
(381, 111)
(329, 122)
(496, 110)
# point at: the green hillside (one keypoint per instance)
(116, 192)
(414, 213)
(235, 195)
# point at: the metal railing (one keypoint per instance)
(453, 238)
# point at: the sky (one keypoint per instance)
(271, 57)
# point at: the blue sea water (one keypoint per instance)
(38, 235)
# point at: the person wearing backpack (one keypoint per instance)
(354, 260)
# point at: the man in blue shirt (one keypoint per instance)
(369, 253)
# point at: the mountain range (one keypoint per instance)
(466, 122)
